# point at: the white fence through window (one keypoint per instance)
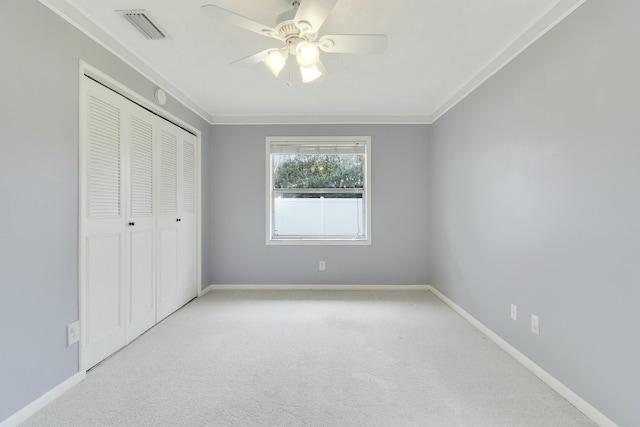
(319, 216)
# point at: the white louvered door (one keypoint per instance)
(102, 244)
(176, 219)
(168, 221)
(138, 209)
(141, 225)
(187, 224)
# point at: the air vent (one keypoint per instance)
(144, 23)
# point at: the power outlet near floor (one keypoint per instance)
(322, 266)
(535, 324)
(73, 333)
(514, 312)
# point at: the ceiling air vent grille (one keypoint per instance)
(144, 23)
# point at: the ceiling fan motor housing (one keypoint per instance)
(289, 32)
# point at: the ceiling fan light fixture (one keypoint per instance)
(310, 74)
(307, 55)
(275, 61)
(298, 28)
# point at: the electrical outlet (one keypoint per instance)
(535, 324)
(514, 312)
(322, 266)
(73, 333)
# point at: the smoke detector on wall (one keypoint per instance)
(161, 96)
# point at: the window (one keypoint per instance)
(318, 190)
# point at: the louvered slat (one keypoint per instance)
(103, 159)
(168, 173)
(189, 178)
(141, 168)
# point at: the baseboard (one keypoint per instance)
(43, 400)
(316, 287)
(202, 292)
(582, 405)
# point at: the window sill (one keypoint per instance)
(318, 242)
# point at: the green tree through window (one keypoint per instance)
(318, 171)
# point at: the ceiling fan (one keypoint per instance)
(298, 29)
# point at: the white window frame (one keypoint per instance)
(293, 140)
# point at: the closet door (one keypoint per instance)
(138, 205)
(187, 225)
(168, 221)
(103, 240)
(176, 219)
(140, 224)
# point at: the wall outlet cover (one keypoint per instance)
(535, 324)
(514, 312)
(73, 333)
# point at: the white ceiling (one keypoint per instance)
(439, 51)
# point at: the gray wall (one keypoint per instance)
(397, 255)
(535, 199)
(38, 193)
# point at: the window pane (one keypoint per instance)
(318, 171)
(319, 215)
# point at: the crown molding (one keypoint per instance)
(85, 24)
(319, 119)
(556, 14)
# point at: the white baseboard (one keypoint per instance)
(316, 287)
(582, 405)
(202, 292)
(43, 400)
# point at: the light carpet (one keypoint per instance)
(311, 358)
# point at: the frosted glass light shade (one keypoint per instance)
(275, 62)
(309, 74)
(307, 55)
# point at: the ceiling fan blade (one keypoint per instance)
(353, 43)
(252, 59)
(311, 14)
(239, 20)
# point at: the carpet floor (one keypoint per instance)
(311, 358)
